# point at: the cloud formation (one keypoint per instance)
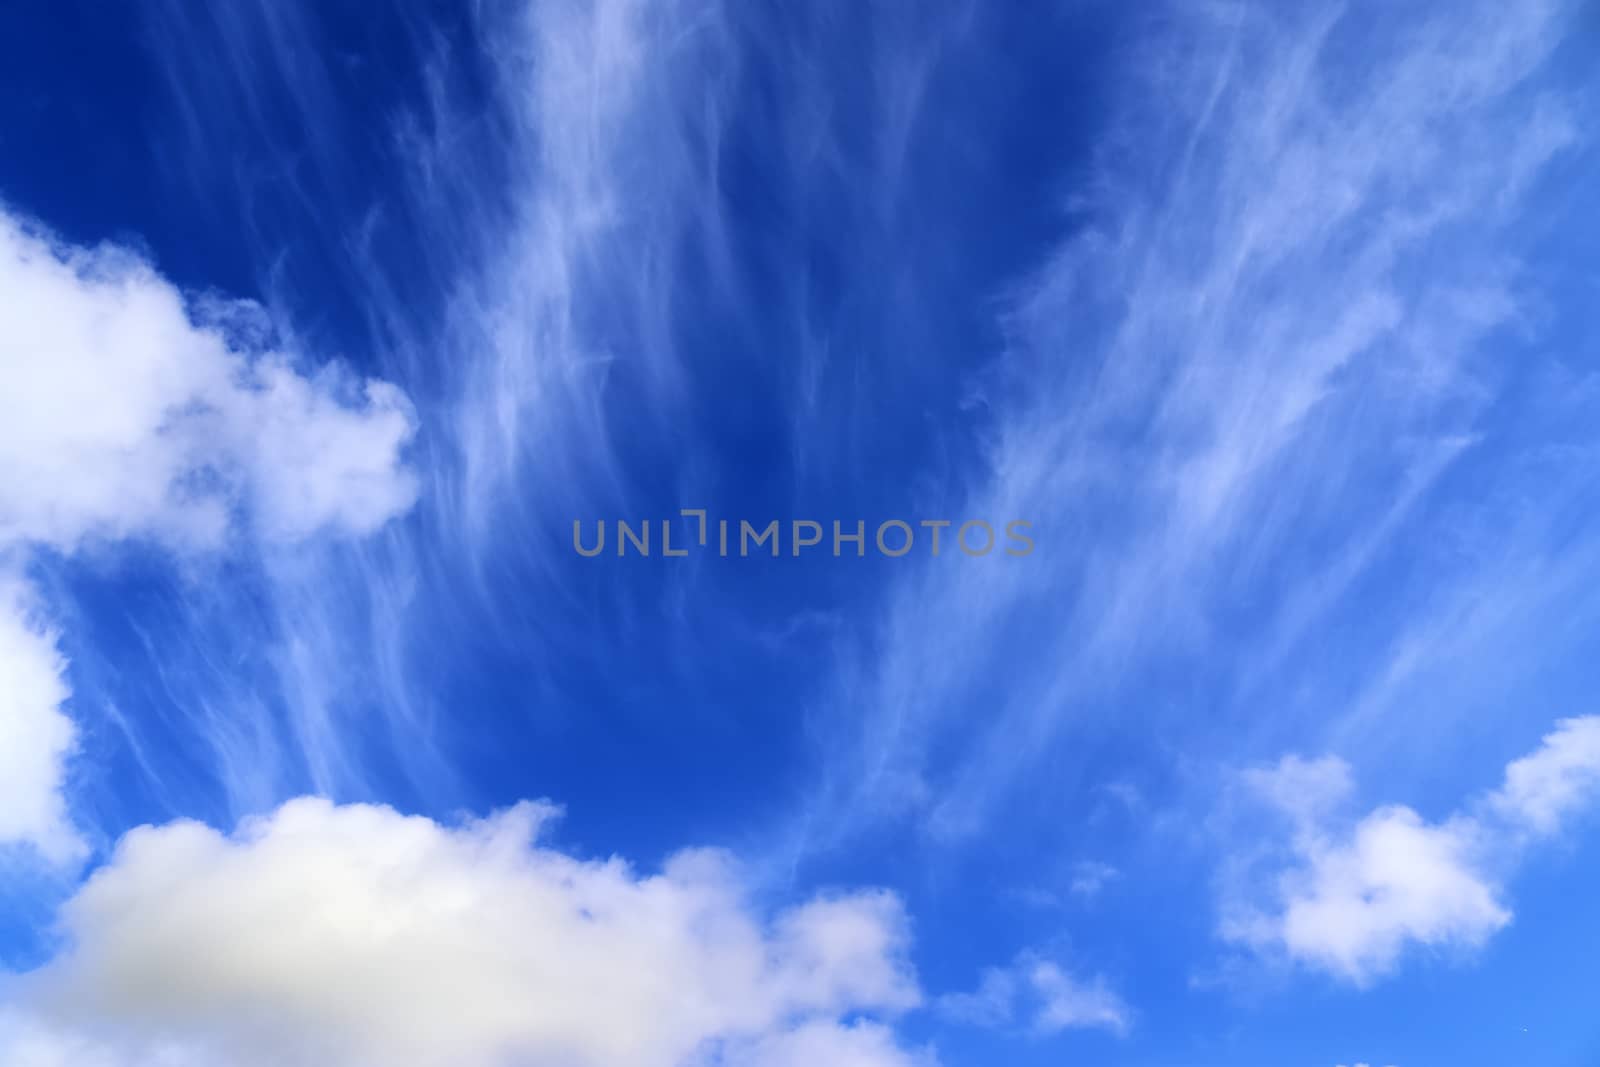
(129, 412)
(1548, 786)
(36, 737)
(1041, 998)
(354, 936)
(1261, 348)
(1355, 895)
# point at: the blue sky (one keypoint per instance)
(321, 325)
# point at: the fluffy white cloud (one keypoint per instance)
(1396, 880)
(126, 413)
(1547, 786)
(1040, 994)
(1355, 895)
(35, 735)
(356, 937)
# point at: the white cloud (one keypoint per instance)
(126, 413)
(1041, 996)
(1069, 1002)
(1355, 896)
(35, 735)
(1547, 786)
(992, 1004)
(1397, 880)
(354, 936)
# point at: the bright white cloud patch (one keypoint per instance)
(1551, 784)
(1356, 895)
(1356, 902)
(123, 414)
(354, 936)
(35, 735)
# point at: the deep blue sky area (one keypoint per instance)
(325, 322)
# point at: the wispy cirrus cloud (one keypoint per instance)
(540, 269)
(517, 267)
(1240, 386)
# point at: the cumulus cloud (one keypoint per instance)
(128, 412)
(35, 734)
(1355, 895)
(124, 412)
(1040, 996)
(1544, 788)
(1353, 903)
(355, 936)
